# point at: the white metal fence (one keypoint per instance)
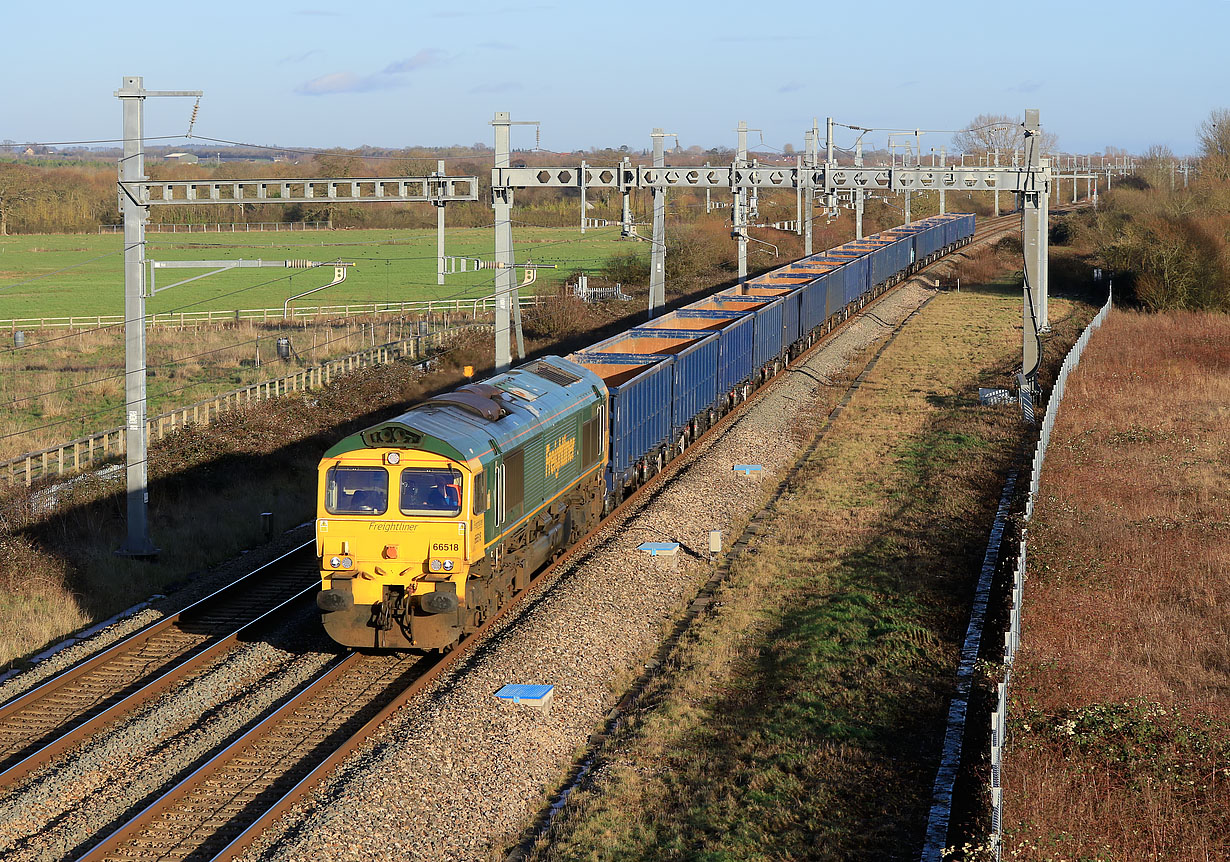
(1012, 638)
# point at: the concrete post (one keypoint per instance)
(1033, 227)
(830, 201)
(626, 226)
(583, 207)
(1044, 242)
(132, 169)
(440, 230)
(810, 207)
(858, 193)
(997, 190)
(657, 269)
(798, 198)
(943, 169)
(501, 201)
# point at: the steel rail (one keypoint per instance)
(93, 680)
(214, 798)
(176, 673)
(250, 742)
(546, 575)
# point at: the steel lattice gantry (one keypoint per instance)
(733, 179)
(429, 189)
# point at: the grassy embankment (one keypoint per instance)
(209, 485)
(1120, 736)
(802, 719)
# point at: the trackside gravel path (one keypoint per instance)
(455, 775)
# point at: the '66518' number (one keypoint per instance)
(445, 546)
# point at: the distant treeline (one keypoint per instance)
(74, 191)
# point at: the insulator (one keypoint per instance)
(192, 119)
(299, 264)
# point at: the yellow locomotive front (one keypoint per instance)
(397, 532)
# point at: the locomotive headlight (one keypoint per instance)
(347, 562)
(335, 562)
(448, 565)
(392, 458)
(435, 565)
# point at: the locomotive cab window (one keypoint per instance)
(431, 491)
(357, 490)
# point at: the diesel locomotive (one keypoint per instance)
(430, 522)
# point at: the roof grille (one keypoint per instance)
(550, 372)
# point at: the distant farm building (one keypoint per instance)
(183, 158)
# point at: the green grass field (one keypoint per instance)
(58, 275)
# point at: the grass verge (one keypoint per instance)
(802, 718)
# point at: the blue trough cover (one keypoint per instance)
(665, 549)
(532, 695)
(748, 469)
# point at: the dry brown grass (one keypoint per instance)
(1128, 605)
(209, 484)
(67, 385)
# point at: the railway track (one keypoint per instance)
(40, 725)
(202, 815)
(219, 809)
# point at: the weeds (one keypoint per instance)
(1120, 741)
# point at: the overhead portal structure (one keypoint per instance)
(1030, 180)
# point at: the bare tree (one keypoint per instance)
(990, 132)
(1215, 143)
(1157, 165)
(18, 185)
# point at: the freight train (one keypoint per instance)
(430, 522)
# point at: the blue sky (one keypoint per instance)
(314, 73)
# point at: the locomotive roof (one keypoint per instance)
(528, 398)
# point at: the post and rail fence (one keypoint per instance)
(94, 449)
(1012, 637)
(225, 227)
(472, 308)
